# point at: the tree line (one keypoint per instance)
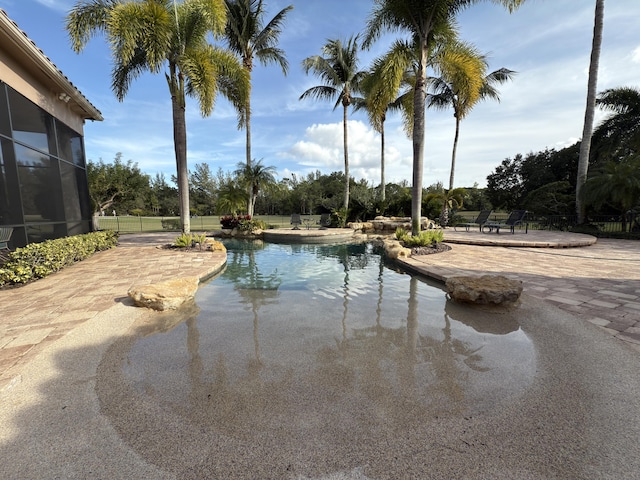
(542, 182)
(157, 36)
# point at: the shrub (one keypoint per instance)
(250, 226)
(37, 260)
(424, 239)
(233, 221)
(190, 239)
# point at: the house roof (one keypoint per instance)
(15, 41)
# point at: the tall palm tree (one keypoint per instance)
(255, 176)
(338, 68)
(585, 143)
(157, 35)
(463, 82)
(250, 39)
(422, 19)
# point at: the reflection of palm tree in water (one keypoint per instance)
(255, 289)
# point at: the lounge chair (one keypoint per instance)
(481, 219)
(296, 221)
(516, 219)
(325, 220)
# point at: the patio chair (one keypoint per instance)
(516, 219)
(325, 221)
(296, 221)
(481, 219)
(5, 236)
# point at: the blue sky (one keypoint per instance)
(548, 42)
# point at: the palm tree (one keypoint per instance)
(380, 96)
(248, 38)
(617, 184)
(618, 136)
(450, 199)
(157, 35)
(463, 83)
(423, 20)
(585, 143)
(338, 68)
(255, 177)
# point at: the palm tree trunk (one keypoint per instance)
(346, 158)
(585, 144)
(180, 145)
(419, 97)
(247, 119)
(382, 181)
(453, 154)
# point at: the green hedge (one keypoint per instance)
(37, 260)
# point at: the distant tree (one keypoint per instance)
(203, 189)
(504, 185)
(338, 68)
(164, 197)
(255, 177)
(119, 184)
(555, 198)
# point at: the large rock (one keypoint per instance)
(167, 295)
(394, 249)
(484, 290)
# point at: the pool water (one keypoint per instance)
(287, 325)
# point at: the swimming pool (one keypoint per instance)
(339, 309)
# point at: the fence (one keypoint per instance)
(596, 225)
(131, 224)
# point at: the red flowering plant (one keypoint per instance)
(233, 221)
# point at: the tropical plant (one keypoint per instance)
(157, 35)
(232, 198)
(380, 96)
(617, 184)
(449, 199)
(423, 239)
(587, 131)
(618, 136)
(424, 20)
(338, 68)
(463, 82)
(255, 177)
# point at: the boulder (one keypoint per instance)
(214, 245)
(484, 290)
(395, 250)
(167, 295)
